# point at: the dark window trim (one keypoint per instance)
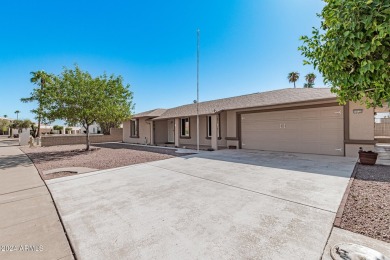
(360, 141)
(189, 128)
(133, 135)
(219, 128)
(231, 138)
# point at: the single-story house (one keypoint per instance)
(303, 120)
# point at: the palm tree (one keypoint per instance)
(293, 77)
(17, 114)
(310, 78)
(40, 78)
(5, 116)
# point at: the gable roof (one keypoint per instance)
(151, 113)
(275, 97)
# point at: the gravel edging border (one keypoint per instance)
(340, 211)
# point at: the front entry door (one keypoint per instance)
(171, 131)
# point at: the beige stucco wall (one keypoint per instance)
(231, 127)
(203, 131)
(351, 150)
(361, 126)
(53, 140)
(144, 132)
(161, 131)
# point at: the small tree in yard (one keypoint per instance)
(352, 49)
(58, 128)
(22, 124)
(4, 125)
(40, 95)
(79, 98)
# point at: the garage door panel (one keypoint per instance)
(315, 130)
(271, 116)
(262, 126)
(334, 112)
(310, 136)
(331, 149)
(311, 114)
(291, 115)
(332, 124)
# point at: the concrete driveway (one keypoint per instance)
(227, 204)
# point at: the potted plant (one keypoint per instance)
(367, 157)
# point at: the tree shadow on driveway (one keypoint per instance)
(38, 157)
(17, 160)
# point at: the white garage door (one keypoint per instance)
(314, 130)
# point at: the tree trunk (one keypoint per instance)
(39, 126)
(39, 115)
(88, 143)
(294, 84)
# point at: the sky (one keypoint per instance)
(245, 46)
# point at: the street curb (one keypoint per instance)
(340, 211)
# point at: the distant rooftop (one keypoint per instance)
(7, 118)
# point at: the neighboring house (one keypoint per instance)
(93, 129)
(303, 120)
(382, 123)
(45, 129)
(75, 129)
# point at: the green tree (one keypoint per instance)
(293, 77)
(5, 116)
(40, 95)
(21, 124)
(4, 125)
(79, 98)
(106, 126)
(58, 128)
(310, 78)
(17, 114)
(352, 49)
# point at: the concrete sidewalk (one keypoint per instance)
(29, 225)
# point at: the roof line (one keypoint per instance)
(252, 107)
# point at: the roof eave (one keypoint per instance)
(323, 100)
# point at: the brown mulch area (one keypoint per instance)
(102, 156)
(367, 210)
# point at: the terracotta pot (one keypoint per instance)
(368, 158)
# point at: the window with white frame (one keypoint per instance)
(185, 127)
(134, 128)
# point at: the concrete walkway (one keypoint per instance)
(344, 236)
(221, 205)
(29, 224)
(383, 150)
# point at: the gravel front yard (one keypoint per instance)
(102, 156)
(367, 210)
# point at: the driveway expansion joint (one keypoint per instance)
(22, 190)
(241, 188)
